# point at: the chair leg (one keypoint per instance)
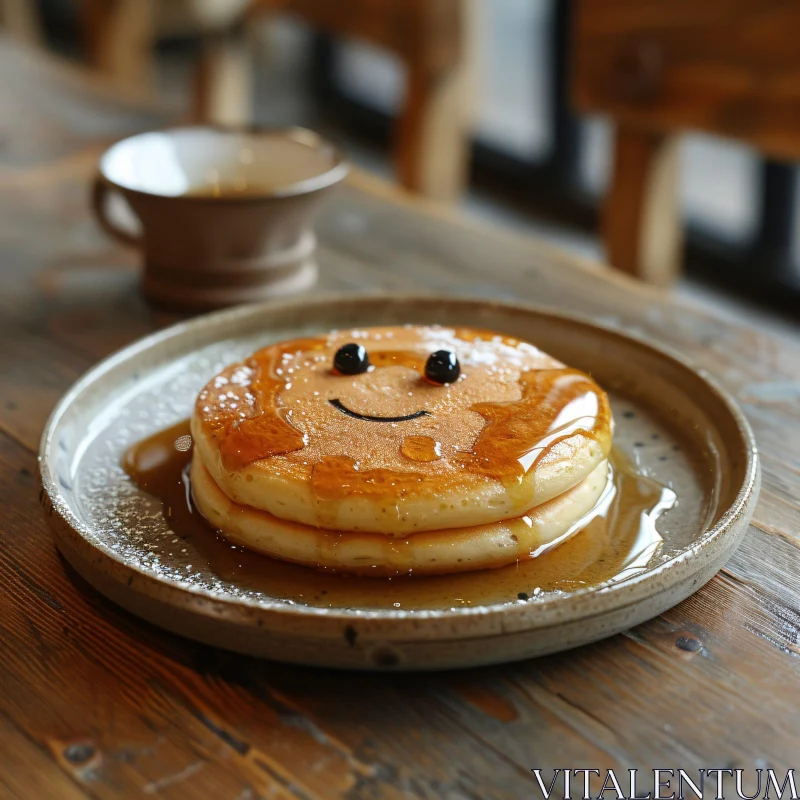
(21, 18)
(223, 81)
(642, 229)
(120, 38)
(431, 147)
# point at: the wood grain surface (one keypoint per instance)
(726, 67)
(730, 67)
(95, 703)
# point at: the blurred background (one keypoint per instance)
(504, 108)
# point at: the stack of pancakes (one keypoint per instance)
(387, 471)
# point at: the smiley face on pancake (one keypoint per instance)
(399, 430)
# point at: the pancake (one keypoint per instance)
(390, 452)
(433, 552)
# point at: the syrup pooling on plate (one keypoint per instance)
(511, 409)
(618, 542)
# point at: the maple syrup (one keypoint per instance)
(421, 448)
(618, 542)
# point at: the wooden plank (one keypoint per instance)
(36, 372)
(27, 772)
(730, 67)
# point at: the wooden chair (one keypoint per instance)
(727, 67)
(427, 35)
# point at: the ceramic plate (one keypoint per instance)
(674, 426)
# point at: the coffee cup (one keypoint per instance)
(224, 215)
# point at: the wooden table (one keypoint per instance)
(95, 703)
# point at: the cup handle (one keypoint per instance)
(100, 191)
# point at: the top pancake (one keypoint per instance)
(515, 430)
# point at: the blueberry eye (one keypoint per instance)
(442, 367)
(351, 359)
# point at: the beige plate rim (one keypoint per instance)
(73, 535)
